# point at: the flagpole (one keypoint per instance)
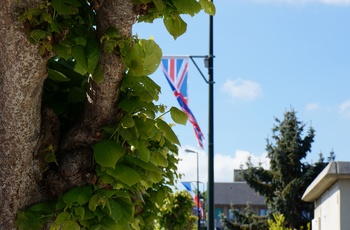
(211, 213)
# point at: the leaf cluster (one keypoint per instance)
(177, 212)
(170, 11)
(136, 162)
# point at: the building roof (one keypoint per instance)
(236, 193)
(334, 171)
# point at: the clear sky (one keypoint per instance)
(270, 56)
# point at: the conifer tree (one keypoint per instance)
(288, 177)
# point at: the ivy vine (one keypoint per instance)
(136, 162)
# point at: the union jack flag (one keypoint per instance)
(175, 70)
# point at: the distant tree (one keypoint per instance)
(177, 212)
(288, 177)
(245, 220)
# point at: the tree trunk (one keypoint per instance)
(22, 73)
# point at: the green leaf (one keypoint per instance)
(95, 201)
(159, 4)
(46, 207)
(79, 55)
(167, 131)
(144, 153)
(65, 6)
(80, 212)
(92, 51)
(62, 218)
(175, 25)
(127, 122)
(160, 160)
(125, 174)
(107, 153)
(178, 116)
(208, 6)
(143, 58)
(150, 166)
(38, 35)
(155, 177)
(57, 76)
(28, 221)
(71, 225)
(77, 195)
(190, 7)
(98, 76)
(115, 210)
(152, 54)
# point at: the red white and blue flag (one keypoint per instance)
(175, 70)
(198, 208)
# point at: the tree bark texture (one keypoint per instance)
(22, 73)
(100, 108)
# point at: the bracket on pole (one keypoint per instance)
(206, 57)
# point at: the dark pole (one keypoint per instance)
(211, 213)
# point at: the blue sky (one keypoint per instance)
(270, 56)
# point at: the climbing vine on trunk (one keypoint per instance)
(106, 157)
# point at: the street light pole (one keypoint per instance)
(198, 214)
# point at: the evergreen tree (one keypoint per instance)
(288, 177)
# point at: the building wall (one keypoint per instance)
(327, 210)
(344, 186)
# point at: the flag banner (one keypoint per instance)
(175, 70)
(198, 208)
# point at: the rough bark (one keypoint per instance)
(22, 73)
(100, 108)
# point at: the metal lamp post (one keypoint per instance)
(199, 216)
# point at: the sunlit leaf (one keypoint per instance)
(107, 153)
(178, 116)
(125, 174)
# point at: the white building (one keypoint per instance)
(330, 192)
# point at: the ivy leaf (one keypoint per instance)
(98, 76)
(150, 166)
(115, 210)
(125, 174)
(143, 58)
(65, 6)
(175, 25)
(159, 4)
(160, 160)
(208, 6)
(155, 177)
(144, 152)
(78, 53)
(152, 54)
(127, 122)
(71, 225)
(178, 116)
(167, 131)
(80, 212)
(95, 201)
(57, 76)
(92, 51)
(190, 7)
(38, 35)
(107, 153)
(79, 195)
